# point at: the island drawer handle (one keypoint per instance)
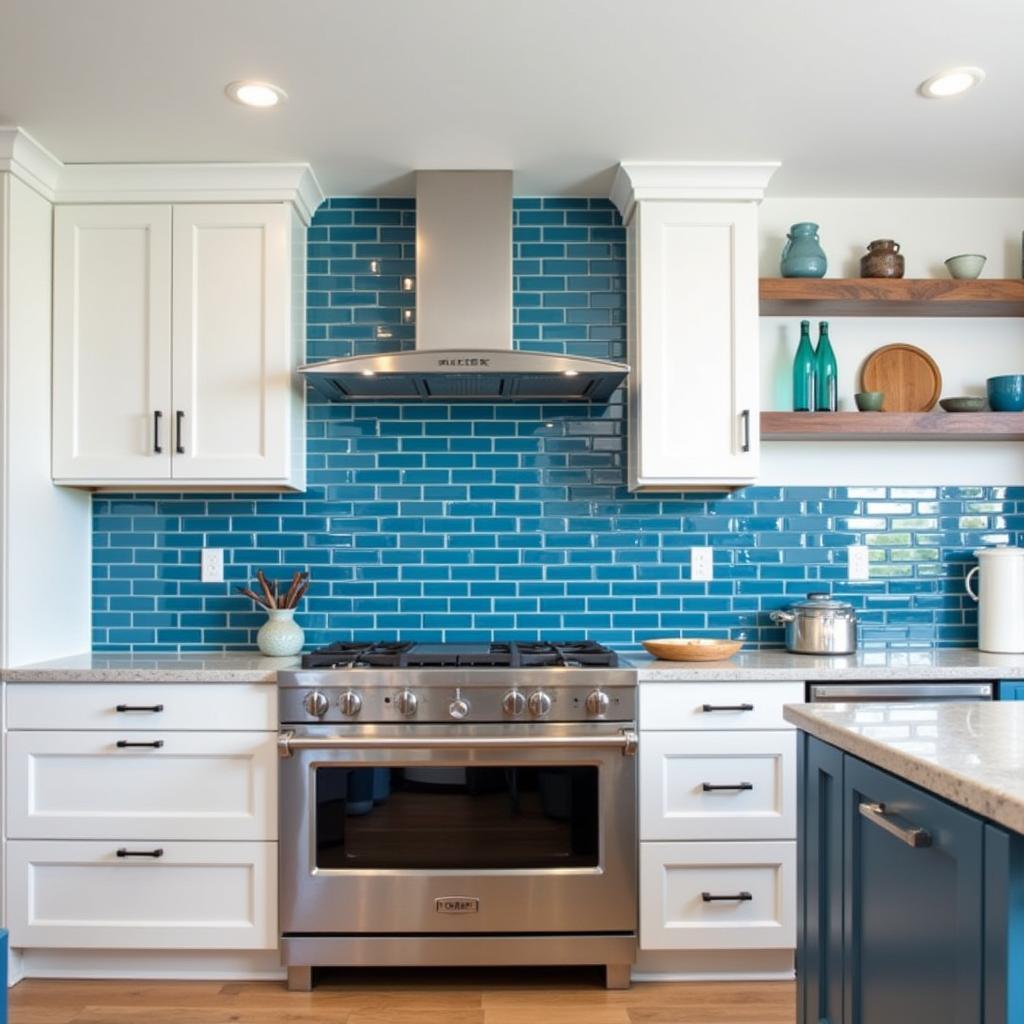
(155, 744)
(728, 707)
(139, 707)
(739, 897)
(140, 853)
(709, 787)
(912, 835)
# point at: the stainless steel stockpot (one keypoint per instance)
(819, 625)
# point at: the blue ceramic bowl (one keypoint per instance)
(1006, 393)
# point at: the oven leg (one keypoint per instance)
(616, 975)
(300, 979)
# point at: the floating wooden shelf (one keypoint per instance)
(892, 426)
(853, 296)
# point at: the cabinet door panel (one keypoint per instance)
(675, 767)
(913, 928)
(111, 342)
(694, 345)
(193, 896)
(83, 785)
(820, 912)
(713, 705)
(231, 349)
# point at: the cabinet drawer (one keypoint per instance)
(675, 876)
(81, 785)
(676, 766)
(714, 705)
(197, 706)
(194, 896)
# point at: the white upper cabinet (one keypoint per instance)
(693, 323)
(112, 342)
(176, 333)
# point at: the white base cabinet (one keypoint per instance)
(208, 895)
(717, 816)
(138, 818)
(176, 333)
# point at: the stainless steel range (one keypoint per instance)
(458, 804)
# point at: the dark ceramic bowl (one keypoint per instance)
(1006, 392)
(869, 401)
(965, 403)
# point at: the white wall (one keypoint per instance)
(967, 350)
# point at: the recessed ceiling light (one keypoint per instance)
(951, 83)
(256, 94)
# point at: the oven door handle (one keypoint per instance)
(288, 743)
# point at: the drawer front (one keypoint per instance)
(194, 896)
(675, 768)
(195, 706)
(675, 876)
(711, 705)
(196, 785)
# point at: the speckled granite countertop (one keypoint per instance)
(971, 754)
(882, 666)
(232, 667)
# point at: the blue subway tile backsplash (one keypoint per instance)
(469, 522)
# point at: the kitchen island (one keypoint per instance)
(911, 847)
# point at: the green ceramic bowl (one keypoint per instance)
(966, 403)
(869, 401)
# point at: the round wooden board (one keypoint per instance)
(909, 377)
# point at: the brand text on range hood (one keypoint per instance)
(464, 313)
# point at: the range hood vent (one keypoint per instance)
(464, 347)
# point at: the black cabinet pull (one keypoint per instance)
(739, 897)
(157, 416)
(179, 416)
(728, 707)
(140, 853)
(745, 417)
(155, 744)
(139, 707)
(710, 788)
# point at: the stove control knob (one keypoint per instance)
(407, 702)
(539, 704)
(597, 703)
(316, 704)
(459, 708)
(513, 703)
(349, 703)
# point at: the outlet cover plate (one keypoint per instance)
(211, 565)
(702, 564)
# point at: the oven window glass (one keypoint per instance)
(457, 818)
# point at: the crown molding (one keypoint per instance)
(26, 159)
(639, 181)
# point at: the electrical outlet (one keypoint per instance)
(702, 564)
(858, 566)
(211, 565)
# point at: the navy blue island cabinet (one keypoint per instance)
(911, 909)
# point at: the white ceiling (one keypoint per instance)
(558, 90)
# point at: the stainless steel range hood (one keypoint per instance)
(464, 314)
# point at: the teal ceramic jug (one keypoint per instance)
(802, 255)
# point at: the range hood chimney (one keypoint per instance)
(464, 314)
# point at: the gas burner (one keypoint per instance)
(515, 654)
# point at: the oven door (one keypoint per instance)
(456, 829)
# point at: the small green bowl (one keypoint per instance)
(869, 401)
(965, 403)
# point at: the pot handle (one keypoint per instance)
(780, 616)
(967, 582)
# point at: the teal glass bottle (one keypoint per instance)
(803, 371)
(826, 373)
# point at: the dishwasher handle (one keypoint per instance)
(895, 692)
(288, 743)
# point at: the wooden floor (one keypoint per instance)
(429, 997)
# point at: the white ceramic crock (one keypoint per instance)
(280, 636)
(1000, 598)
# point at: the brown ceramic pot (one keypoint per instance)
(883, 259)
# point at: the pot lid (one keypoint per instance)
(821, 603)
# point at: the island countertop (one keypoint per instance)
(972, 754)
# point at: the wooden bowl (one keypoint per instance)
(683, 648)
